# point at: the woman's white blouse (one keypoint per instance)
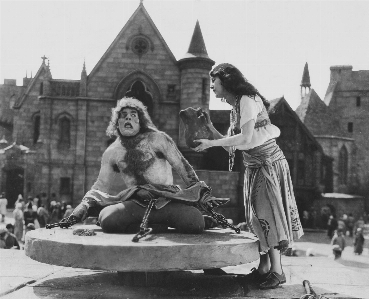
(249, 110)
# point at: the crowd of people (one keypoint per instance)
(346, 226)
(30, 214)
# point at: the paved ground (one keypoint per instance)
(23, 278)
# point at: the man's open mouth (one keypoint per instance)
(128, 126)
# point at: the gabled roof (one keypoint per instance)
(318, 117)
(43, 68)
(275, 106)
(305, 81)
(140, 9)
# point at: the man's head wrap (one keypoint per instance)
(145, 120)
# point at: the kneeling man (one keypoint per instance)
(138, 167)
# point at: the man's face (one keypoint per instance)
(128, 122)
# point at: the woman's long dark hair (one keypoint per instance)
(234, 82)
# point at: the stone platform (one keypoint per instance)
(170, 251)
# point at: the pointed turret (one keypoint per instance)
(305, 82)
(195, 86)
(197, 45)
(83, 82)
(195, 67)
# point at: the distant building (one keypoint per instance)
(340, 123)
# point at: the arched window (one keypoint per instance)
(36, 128)
(42, 88)
(138, 91)
(64, 132)
(342, 165)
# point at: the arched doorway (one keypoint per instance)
(139, 91)
(14, 183)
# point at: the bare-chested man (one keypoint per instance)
(137, 167)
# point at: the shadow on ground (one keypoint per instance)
(182, 284)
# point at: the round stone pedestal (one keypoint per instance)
(171, 251)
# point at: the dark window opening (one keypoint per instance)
(65, 186)
(342, 165)
(41, 88)
(204, 85)
(36, 128)
(350, 127)
(64, 134)
(358, 101)
(171, 89)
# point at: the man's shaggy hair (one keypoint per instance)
(146, 123)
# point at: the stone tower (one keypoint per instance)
(348, 97)
(195, 81)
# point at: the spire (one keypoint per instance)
(83, 81)
(84, 66)
(305, 82)
(197, 45)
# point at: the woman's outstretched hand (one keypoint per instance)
(203, 144)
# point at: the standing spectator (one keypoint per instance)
(350, 224)
(63, 208)
(53, 197)
(338, 243)
(29, 200)
(3, 204)
(359, 241)
(42, 216)
(55, 212)
(29, 214)
(332, 226)
(18, 221)
(342, 224)
(44, 201)
(68, 211)
(19, 200)
(359, 224)
(36, 201)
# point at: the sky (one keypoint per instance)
(269, 41)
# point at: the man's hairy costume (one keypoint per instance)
(135, 169)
